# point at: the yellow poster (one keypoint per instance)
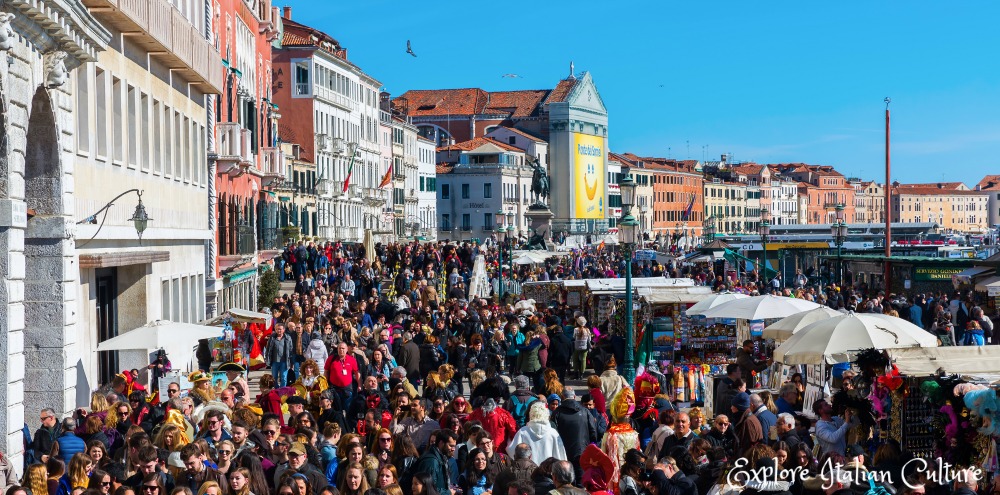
(589, 175)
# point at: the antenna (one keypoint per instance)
(688, 148)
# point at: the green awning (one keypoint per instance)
(734, 257)
(241, 275)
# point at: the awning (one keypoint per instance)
(700, 259)
(979, 361)
(247, 315)
(680, 295)
(241, 275)
(986, 284)
(966, 276)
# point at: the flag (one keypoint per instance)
(600, 247)
(687, 212)
(350, 170)
(387, 178)
(644, 349)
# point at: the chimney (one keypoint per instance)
(940, 185)
(287, 12)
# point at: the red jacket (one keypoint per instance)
(500, 424)
(271, 402)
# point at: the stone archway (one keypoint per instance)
(49, 342)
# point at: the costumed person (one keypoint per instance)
(234, 372)
(620, 436)
(310, 384)
(645, 418)
(201, 388)
(598, 469)
(160, 367)
(543, 439)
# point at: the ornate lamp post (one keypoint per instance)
(708, 229)
(140, 219)
(628, 231)
(501, 234)
(765, 233)
(839, 231)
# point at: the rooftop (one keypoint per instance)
(989, 183)
(478, 142)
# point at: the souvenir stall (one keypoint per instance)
(241, 332)
(943, 403)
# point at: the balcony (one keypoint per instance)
(324, 143)
(466, 228)
(272, 162)
(233, 154)
(272, 239)
(236, 240)
(164, 33)
(374, 196)
(334, 98)
(326, 188)
(353, 191)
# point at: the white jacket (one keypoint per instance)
(543, 439)
(317, 352)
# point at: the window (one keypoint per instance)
(157, 138)
(82, 110)
(465, 191)
(143, 128)
(466, 221)
(445, 221)
(488, 190)
(133, 127)
(421, 184)
(488, 221)
(445, 191)
(511, 140)
(101, 109)
(116, 115)
(168, 126)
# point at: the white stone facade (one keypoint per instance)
(427, 188)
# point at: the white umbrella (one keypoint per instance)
(760, 308)
(524, 259)
(177, 339)
(784, 329)
(713, 301)
(839, 339)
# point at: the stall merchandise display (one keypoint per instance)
(705, 344)
(918, 437)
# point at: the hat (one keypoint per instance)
(297, 448)
(489, 405)
(569, 394)
(174, 460)
(199, 376)
(854, 450)
(581, 321)
(554, 397)
(635, 457)
(521, 382)
(741, 401)
(662, 404)
(232, 367)
(296, 400)
(594, 457)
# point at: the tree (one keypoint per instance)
(269, 287)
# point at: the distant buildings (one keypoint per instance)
(953, 206)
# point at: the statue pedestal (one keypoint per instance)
(540, 221)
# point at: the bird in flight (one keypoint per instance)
(511, 76)
(409, 49)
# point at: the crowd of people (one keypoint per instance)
(385, 376)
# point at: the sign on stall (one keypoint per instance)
(174, 376)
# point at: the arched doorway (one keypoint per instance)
(49, 264)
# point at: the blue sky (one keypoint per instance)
(765, 81)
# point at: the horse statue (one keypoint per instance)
(540, 186)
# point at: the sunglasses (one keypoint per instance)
(105, 483)
(270, 432)
(385, 439)
(46, 417)
(150, 488)
(172, 391)
(225, 452)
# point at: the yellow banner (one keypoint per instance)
(589, 175)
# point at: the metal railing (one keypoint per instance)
(272, 239)
(236, 240)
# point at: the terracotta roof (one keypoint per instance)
(296, 34)
(477, 142)
(937, 185)
(520, 133)
(562, 91)
(748, 169)
(427, 102)
(989, 183)
(443, 168)
(517, 103)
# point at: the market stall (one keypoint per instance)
(241, 328)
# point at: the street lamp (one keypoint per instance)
(765, 232)
(839, 231)
(628, 229)
(140, 219)
(501, 234)
(708, 229)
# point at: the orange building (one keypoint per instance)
(247, 159)
(827, 188)
(678, 198)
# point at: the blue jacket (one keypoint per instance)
(70, 444)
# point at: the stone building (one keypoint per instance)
(43, 41)
(953, 206)
(990, 186)
(338, 109)
(143, 114)
(427, 189)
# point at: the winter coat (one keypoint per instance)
(748, 432)
(543, 439)
(434, 463)
(316, 351)
(611, 384)
(69, 444)
(279, 351)
(576, 427)
(500, 425)
(560, 350)
(409, 358)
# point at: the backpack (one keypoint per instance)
(520, 410)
